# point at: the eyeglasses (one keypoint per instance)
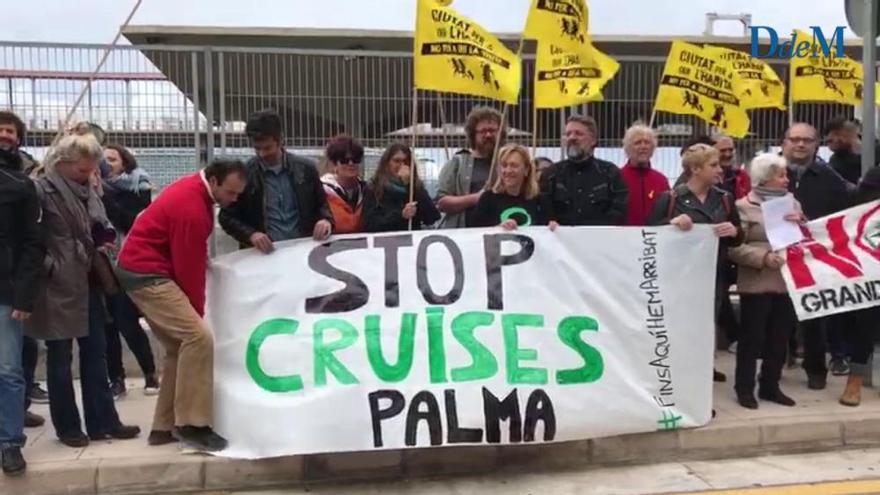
(802, 140)
(349, 161)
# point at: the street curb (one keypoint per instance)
(189, 473)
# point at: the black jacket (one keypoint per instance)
(385, 216)
(22, 244)
(820, 190)
(719, 207)
(124, 206)
(248, 215)
(592, 192)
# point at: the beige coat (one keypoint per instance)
(754, 277)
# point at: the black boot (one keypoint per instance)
(747, 400)
(13, 462)
(121, 432)
(158, 437)
(202, 438)
(718, 376)
(816, 382)
(776, 395)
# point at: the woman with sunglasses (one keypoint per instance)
(343, 185)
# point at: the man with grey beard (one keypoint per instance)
(583, 189)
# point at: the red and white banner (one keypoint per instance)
(836, 268)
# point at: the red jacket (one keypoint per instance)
(170, 238)
(645, 187)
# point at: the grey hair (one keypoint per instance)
(78, 143)
(764, 167)
(634, 132)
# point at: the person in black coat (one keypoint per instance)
(821, 191)
(860, 334)
(700, 201)
(387, 207)
(126, 191)
(22, 250)
(514, 200)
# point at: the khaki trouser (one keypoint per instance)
(186, 394)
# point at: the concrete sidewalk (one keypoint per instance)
(817, 423)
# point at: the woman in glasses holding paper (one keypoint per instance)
(768, 317)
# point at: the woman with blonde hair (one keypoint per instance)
(699, 200)
(71, 307)
(768, 317)
(514, 199)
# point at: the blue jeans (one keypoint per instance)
(98, 406)
(12, 387)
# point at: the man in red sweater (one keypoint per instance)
(645, 184)
(162, 266)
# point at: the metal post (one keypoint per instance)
(11, 99)
(869, 56)
(34, 118)
(89, 89)
(128, 111)
(221, 82)
(195, 99)
(209, 105)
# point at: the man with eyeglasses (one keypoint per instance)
(284, 198)
(463, 179)
(820, 191)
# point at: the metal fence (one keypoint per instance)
(177, 107)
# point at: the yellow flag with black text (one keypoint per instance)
(569, 69)
(694, 83)
(565, 21)
(454, 54)
(815, 77)
(759, 85)
(564, 78)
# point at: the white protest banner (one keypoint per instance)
(836, 268)
(462, 337)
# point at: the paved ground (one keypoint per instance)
(818, 422)
(792, 475)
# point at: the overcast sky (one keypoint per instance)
(96, 21)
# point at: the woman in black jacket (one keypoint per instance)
(387, 207)
(126, 191)
(514, 200)
(700, 201)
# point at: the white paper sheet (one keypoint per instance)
(780, 232)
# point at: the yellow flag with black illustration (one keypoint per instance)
(759, 85)
(695, 83)
(454, 54)
(569, 69)
(821, 78)
(565, 21)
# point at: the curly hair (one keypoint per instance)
(9, 118)
(477, 115)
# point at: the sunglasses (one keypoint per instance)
(349, 161)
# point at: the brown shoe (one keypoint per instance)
(32, 420)
(852, 394)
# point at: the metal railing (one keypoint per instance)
(179, 106)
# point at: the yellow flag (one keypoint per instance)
(454, 54)
(564, 21)
(569, 69)
(565, 77)
(820, 78)
(694, 83)
(760, 86)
